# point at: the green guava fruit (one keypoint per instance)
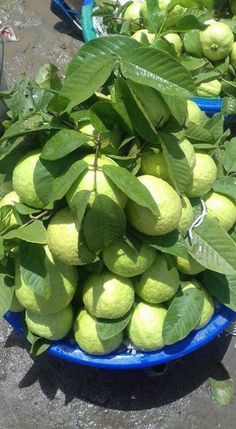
(23, 180)
(186, 219)
(203, 176)
(209, 89)
(133, 14)
(63, 239)
(194, 113)
(9, 200)
(159, 283)
(208, 306)
(175, 15)
(176, 41)
(51, 294)
(168, 203)
(145, 327)
(108, 295)
(222, 208)
(192, 44)
(51, 326)
(217, 41)
(138, 35)
(94, 175)
(87, 337)
(188, 265)
(122, 259)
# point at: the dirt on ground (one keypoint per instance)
(52, 394)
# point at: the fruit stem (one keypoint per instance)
(33, 218)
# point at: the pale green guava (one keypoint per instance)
(51, 326)
(122, 259)
(87, 337)
(233, 56)
(133, 13)
(93, 179)
(176, 41)
(217, 41)
(187, 216)
(208, 306)
(108, 295)
(194, 113)
(63, 239)
(209, 89)
(23, 180)
(203, 176)
(168, 203)
(188, 265)
(222, 208)
(53, 293)
(138, 35)
(158, 283)
(146, 325)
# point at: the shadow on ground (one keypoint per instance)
(133, 390)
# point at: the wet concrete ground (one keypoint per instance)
(47, 393)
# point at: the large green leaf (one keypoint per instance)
(47, 77)
(222, 287)
(92, 73)
(155, 68)
(52, 179)
(138, 117)
(198, 134)
(131, 186)
(213, 248)
(109, 328)
(182, 315)
(120, 46)
(222, 385)
(178, 107)
(229, 157)
(177, 164)
(103, 223)
(6, 294)
(79, 205)
(172, 243)
(226, 186)
(62, 143)
(32, 233)
(32, 267)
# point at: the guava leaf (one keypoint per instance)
(92, 73)
(131, 186)
(103, 116)
(222, 287)
(62, 143)
(109, 328)
(39, 346)
(213, 248)
(182, 315)
(138, 117)
(52, 179)
(9, 218)
(47, 77)
(229, 157)
(177, 164)
(226, 186)
(32, 233)
(6, 294)
(154, 16)
(172, 243)
(155, 68)
(222, 386)
(103, 223)
(187, 23)
(119, 46)
(26, 210)
(178, 108)
(79, 205)
(32, 267)
(198, 134)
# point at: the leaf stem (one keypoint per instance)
(34, 218)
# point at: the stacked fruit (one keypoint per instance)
(201, 36)
(137, 286)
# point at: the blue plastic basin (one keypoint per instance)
(122, 359)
